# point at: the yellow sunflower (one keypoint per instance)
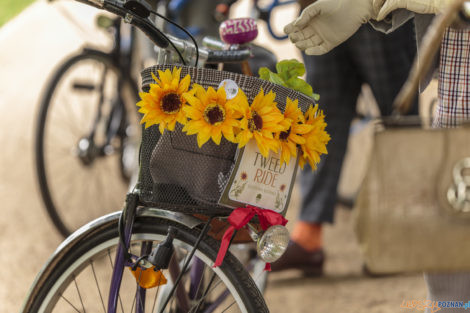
(261, 120)
(164, 102)
(290, 138)
(210, 114)
(316, 139)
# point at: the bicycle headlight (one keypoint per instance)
(272, 245)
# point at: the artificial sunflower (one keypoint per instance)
(164, 102)
(210, 114)
(316, 139)
(290, 138)
(261, 120)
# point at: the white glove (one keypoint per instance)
(325, 24)
(418, 6)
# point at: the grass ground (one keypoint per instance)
(10, 8)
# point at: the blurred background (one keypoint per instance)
(35, 37)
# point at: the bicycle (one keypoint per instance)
(181, 228)
(84, 128)
(105, 136)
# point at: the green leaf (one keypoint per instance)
(275, 78)
(288, 72)
(263, 73)
(290, 68)
(300, 85)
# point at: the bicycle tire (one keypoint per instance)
(73, 264)
(55, 209)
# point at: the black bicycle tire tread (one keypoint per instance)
(40, 127)
(243, 282)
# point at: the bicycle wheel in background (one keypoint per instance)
(86, 141)
(80, 280)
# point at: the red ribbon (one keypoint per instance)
(239, 218)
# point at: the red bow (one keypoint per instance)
(239, 218)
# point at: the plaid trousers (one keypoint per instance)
(454, 79)
(379, 60)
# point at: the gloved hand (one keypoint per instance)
(418, 6)
(325, 24)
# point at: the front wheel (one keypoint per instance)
(80, 280)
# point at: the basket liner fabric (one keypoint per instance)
(175, 173)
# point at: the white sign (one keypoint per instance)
(259, 181)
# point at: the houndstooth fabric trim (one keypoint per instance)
(454, 79)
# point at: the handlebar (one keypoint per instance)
(145, 25)
(185, 48)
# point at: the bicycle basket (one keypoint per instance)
(175, 174)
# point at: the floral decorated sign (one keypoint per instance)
(264, 182)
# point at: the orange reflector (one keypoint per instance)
(148, 278)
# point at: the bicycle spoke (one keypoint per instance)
(133, 305)
(229, 306)
(156, 294)
(71, 115)
(79, 295)
(204, 295)
(70, 303)
(98, 286)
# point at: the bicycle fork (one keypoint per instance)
(123, 259)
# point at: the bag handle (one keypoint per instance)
(430, 45)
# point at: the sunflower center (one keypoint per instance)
(214, 114)
(255, 122)
(284, 135)
(171, 103)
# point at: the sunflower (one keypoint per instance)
(164, 102)
(261, 120)
(211, 114)
(316, 139)
(290, 138)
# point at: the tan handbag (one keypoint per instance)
(413, 210)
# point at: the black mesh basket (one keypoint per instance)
(177, 175)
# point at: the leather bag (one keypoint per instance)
(413, 210)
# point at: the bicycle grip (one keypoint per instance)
(227, 56)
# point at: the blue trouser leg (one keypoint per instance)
(381, 61)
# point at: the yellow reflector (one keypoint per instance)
(148, 278)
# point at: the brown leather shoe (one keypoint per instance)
(296, 257)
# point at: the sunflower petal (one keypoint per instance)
(202, 138)
(184, 84)
(216, 137)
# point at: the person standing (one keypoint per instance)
(367, 57)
